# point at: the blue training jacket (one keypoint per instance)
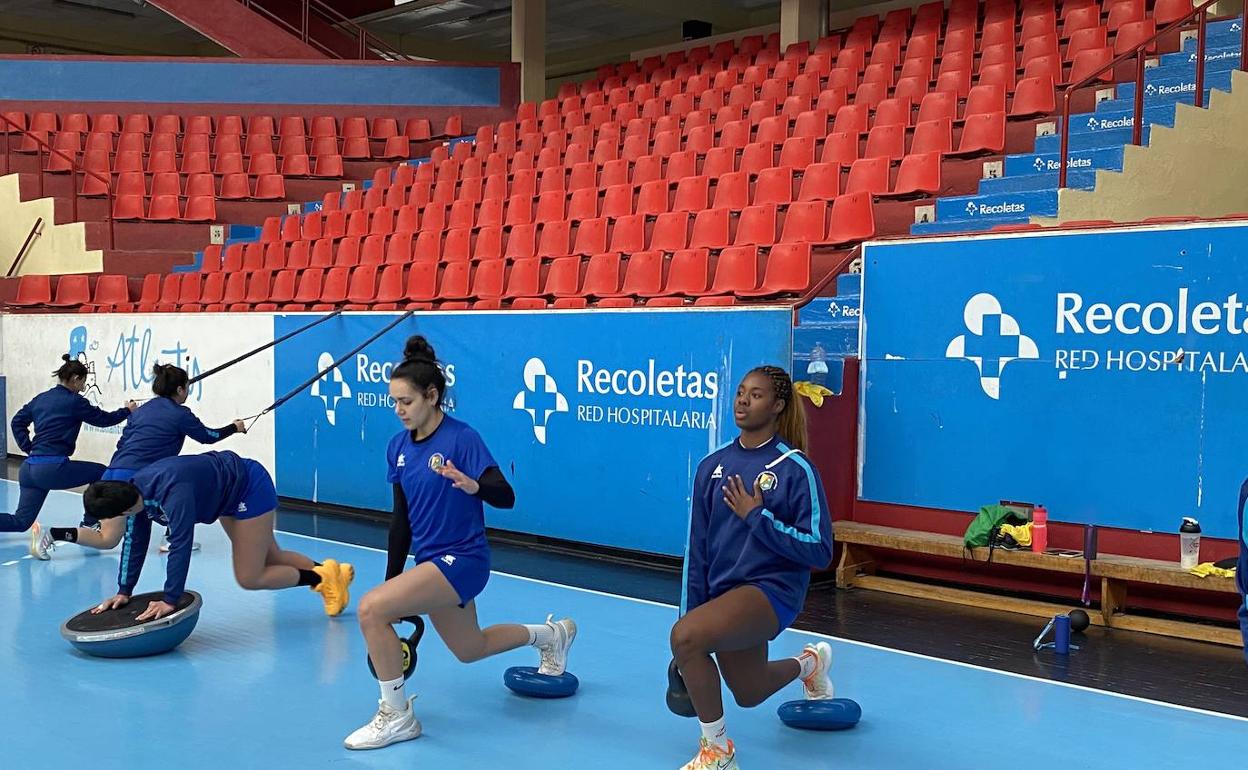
(58, 415)
(776, 545)
(179, 492)
(158, 430)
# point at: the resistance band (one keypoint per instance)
(263, 347)
(294, 392)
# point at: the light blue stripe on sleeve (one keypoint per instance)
(815, 509)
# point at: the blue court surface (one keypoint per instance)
(267, 681)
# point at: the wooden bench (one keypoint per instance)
(857, 569)
(1117, 572)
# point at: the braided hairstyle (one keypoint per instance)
(791, 424)
(420, 367)
(70, 369)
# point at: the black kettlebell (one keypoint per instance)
(677, 695)
(409, 645)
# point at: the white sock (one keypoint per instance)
(715, 733)
(539, 635)
(394, 695)
(807, 661)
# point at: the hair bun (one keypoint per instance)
(65, 357)
(418, 348)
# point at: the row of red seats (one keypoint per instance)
(323, 166)
(716, 107)
(777, 85)
(852, 63)
(222, 144)
(735, 190)
(167, 208)
(196, 160)
(1038, 19)
(450, 202)
(778, 131)
(609, 279)
(1032, 97)
(851, 218)
(415, 129)
(573, 281)
(224, 187)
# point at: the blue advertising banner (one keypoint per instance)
(1100, 373)
(598, 419)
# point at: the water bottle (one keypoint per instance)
(1039, 529)
(1189, 543)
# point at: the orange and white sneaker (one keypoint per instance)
(335, 585)
(712, 757)
(818, 685)
(41, 542)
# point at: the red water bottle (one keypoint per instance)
(1039, 529)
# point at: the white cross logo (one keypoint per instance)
(540, 398)
(994, 340)
(330, 388)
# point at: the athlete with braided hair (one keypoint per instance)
(759, 524)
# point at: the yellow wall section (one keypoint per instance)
(57, 249)
(1193, 169)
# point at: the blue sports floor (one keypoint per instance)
(267, 681)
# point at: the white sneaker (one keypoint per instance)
(712, 757)
(164, 545)
(818, 685)
(389, 726)
(555, 652)
(41, 542)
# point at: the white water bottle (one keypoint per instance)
(1189, 543)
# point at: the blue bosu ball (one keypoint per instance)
(115, 634)
(831, 714)
(524, 680)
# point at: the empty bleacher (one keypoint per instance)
(716, 175)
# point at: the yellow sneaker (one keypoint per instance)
(712, 757)
(334, 587)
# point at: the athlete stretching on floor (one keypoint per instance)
(180, 492)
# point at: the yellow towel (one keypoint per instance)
(1020, 532)
(815, 393)
(1207, 569)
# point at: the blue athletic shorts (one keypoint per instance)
(466, 572)
(260, 496)
(785, 614)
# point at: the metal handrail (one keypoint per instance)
(75, 167)
(1138, 52)
(823, 282)
(366, 40)
(21, 253)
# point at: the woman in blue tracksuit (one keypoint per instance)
(156, 430)
(759, 524)
(442, 475)
(57, 415)
(180, 492)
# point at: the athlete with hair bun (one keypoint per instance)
(57, 415)
(442, 476)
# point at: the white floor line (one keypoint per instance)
(867, 645)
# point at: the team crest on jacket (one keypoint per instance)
(436, 461)
(766, 481)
